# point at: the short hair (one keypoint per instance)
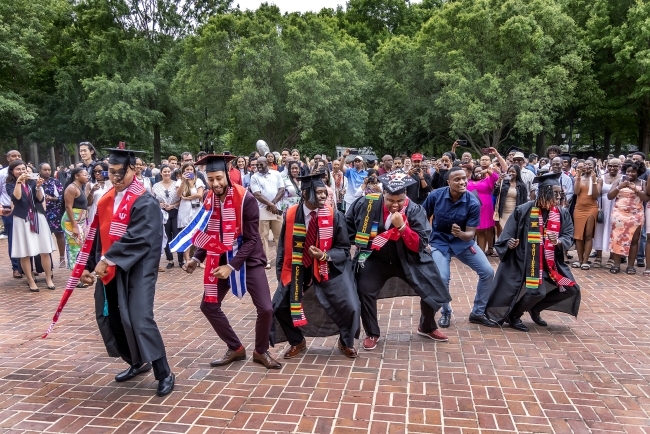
(639, 166)
(286, 149)
(101, 164)
(452, 170)
(532, 157)
(173, 158)
(201, 155)
(555, 149)
(185, 154)
(640, 154)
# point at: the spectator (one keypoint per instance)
(242, 168)
(603, 230)
(370, 185)
(355, 177)
(291, 186)
(526, 175)
(190, 190)
(482, 182)
(53, 191)
(397, 163)
(166, 194)
(587, 190)
(97, 187)
(88, 155)
(270, 158)
(268, 188)
(31, 233)
(418, 191)
(532, 163)
(340, 185)
(7, 219)
(511, 192)
(439, 178)
(74, 221)
(143, 180)
(386, 165)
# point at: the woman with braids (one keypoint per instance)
(532, 275)
(74, 221)
(628, 215)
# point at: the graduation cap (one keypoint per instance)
(566, 157)
(311, 183)
(216, 162)
(396, 181)
(548, 179)
(122, 156)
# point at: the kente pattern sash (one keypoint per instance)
(541, 249)
(119, 224)
(368, 226)
(293, 269)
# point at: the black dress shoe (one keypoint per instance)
(132, 372)
(482, 320)
(444, 320)
(537, 319)
(517, 324)
(166, 385)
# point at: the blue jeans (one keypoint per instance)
(477, 262)
(642, 242)
(8, 221)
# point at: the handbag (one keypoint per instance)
(495, 215)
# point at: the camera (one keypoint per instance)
(462, 143)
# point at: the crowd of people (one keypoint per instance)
(344, 232)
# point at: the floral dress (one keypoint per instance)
(54, 208)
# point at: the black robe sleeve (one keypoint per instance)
(279, 258)
(146, 220)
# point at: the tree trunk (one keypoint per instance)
(644, 126)
(617, 147)
(156, 144)
(607, 139)
(540, 144)
(530, 139)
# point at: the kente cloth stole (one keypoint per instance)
(541, 249)
(391, 234)
(368, 226)
(219, 237)
(293, 269)
(114, 232)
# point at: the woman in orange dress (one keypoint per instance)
(627, 214)
(586, 189)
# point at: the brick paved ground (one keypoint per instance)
(586, 375)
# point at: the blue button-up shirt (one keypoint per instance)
(465, 212)
(355, 179)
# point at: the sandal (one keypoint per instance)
(585, 266)
(598, 263)
(610, 263)
(575, 264)
(630, 270)
(62, 263)
(615, 269)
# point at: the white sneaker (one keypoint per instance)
(3, 237)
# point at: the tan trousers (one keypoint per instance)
(275, 226)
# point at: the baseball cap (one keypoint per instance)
(416, 157)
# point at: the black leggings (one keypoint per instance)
(171, 230)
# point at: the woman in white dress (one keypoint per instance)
(189, 188)
(603, 230)
(97, 187)
(291, 187)
(31, 234)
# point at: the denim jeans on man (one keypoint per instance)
(477, 262)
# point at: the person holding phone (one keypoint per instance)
(97, 187)
(53, 191)
(355, 176)
(190, 190)
(74, 221)
(456, 214)
(418, 192)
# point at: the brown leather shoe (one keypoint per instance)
(229, 357)
(347, 351)
(17, 274)
(266, 360)
(294, 350)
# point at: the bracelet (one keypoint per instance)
(324, 257)
(402, 227)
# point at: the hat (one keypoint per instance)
(566, 157)
(216, 162)
(416, 157)
(547, 179)
(311, 183)
(515, 149)
(519, 155)
(358, 157)
(395, 181)
(122, 156)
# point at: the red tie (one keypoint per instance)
(312, 232)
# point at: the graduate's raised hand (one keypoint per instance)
(513, 243)
(397, 220)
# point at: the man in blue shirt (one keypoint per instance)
(355, 176)
(456, 215)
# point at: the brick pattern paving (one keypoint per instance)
(578, 376)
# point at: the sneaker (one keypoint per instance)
(268, 266)
(640, 263)
(170, 264)
(3, 237)
(370, 343)
(435, 335)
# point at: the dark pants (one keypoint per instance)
(161, 368)
(171, 230)
(283, 315)
(258, 288)
(370, 279)
(9, 228)
(539, 301)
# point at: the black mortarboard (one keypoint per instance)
(122, 156)
(515, 149)
(548, 179)
(311, 183)
(216, 163)
(396, 181)
(566, 157)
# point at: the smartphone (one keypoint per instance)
(485, 151)
(507, 177)
(105, 173)
(623, 178)
(462, 143)
(33, 176)
(354, 152)
(190, 176)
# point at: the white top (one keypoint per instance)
(146, 183)
(97, 194)
(186, 211)
(268, 185)
(5, 200)
(118, 198)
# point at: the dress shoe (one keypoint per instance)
(436, 335)
(295, 350)
(266, 360)
(537, 319)
(347, 351)
(444, 320)
(517, 324)
(229, 357)
(482, 320)
(132, 372)
(166, 385)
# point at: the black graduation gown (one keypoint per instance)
(331, 307)
(509, 281)
(422, 274)
(136, 257)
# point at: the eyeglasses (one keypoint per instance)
(97, 171)
(188, 161)
(117, 174)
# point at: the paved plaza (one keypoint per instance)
(578, 376)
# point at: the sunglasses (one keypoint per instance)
(167, 194)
